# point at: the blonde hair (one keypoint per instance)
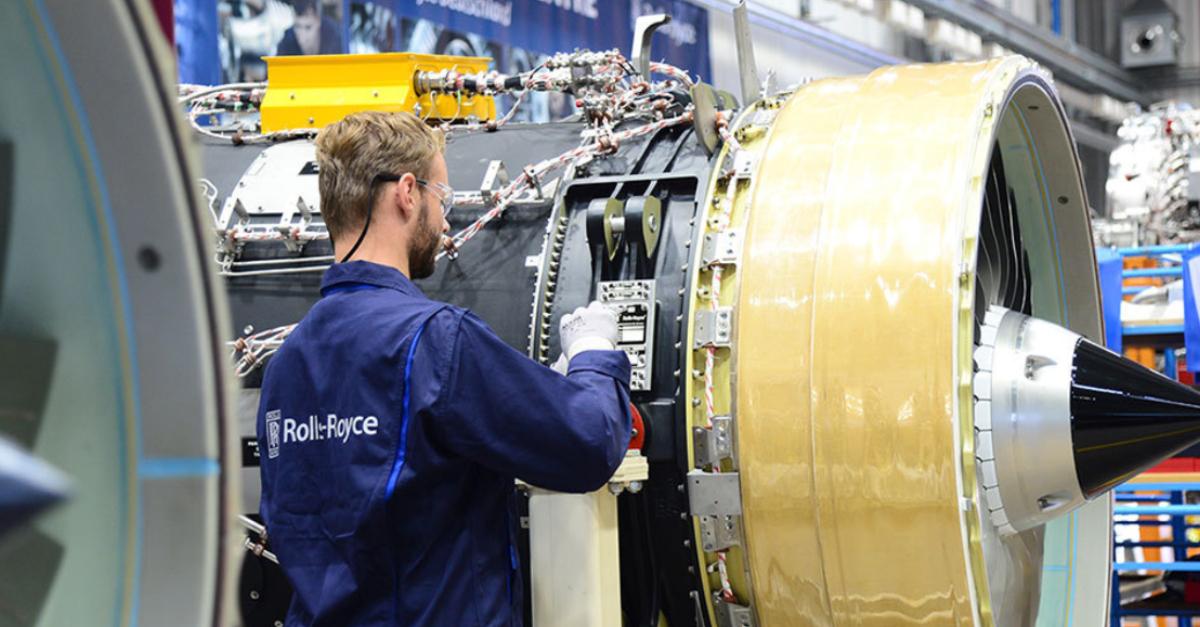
(353, 151)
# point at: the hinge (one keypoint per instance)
(721, 248)
(714, 327)
(711, 445)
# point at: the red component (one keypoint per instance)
(1191, 590)
(639, 429)
(1170, 128)
(165, 11)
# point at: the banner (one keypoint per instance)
(234, 35)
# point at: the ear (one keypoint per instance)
(404, 197)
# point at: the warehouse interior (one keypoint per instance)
(904, 289)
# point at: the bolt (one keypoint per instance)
(616, 488)
(292, 96)
(310, 119)
(687, 544)
(254, 594)
(683, 516)
(695, 401)
(680, 488)
(635, 487)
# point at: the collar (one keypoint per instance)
(342, 276)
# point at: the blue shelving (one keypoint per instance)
(1177, 511)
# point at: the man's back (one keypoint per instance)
(393, 428)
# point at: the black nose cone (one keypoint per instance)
(1125, 418)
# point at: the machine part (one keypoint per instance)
(1125, 418)
(714, 444)
(714, 493)
(721, 248)
(634, 305)
(643, 220)
(643, 36)
(309, 92)
(1149, 35)
(1022, 420)
(704, 98)
(116, 285)
(719, 532)
(716, 502)
(574, 551)
(744, 41)
(733, 615)
(909, 258)
(714, 327)
(606, 225)
(28, 486)
(1153, 187)
(287, 165)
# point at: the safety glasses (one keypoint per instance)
(444, 192)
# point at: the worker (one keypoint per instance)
(392, 426)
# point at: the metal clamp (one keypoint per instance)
(714, 327)
(744, 160)
(715, 498)
(721, 248)
(711, 445)
(732, 614)
(718, 533)
(714, 493)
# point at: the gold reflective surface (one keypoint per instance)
(854, 435)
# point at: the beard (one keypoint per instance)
(422, 253)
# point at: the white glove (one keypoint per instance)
(587, 329)
(560, 366)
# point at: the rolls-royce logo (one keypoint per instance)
(273, 434)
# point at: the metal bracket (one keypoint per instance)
(712, 445)
(714, 493)
(732, 614)
(718, 533)
(743, 163)
(495, 178)
(715, 498)
(714, 327)
(643, 36)
(744, 44)
(721, 248)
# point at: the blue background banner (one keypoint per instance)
(237, 33)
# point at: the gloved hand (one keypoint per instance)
(560, 365)
(588, 328)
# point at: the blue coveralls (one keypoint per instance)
(392, 427)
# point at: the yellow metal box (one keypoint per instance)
(312, 91)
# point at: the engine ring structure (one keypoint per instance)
(849, 375)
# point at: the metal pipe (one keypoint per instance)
(284, 261)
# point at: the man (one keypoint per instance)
(394, 425)
(310, 33)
